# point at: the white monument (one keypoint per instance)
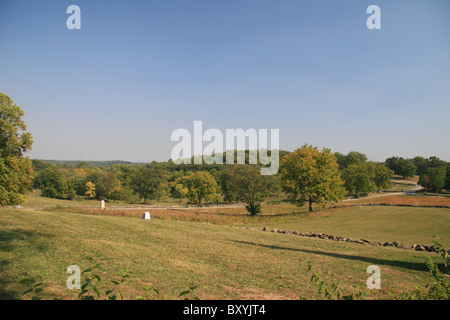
(146, 216)
(102, 204)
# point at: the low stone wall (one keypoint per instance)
(395, 244)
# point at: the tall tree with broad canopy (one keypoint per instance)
(244, 182)
(381, 176)
(200, 185)
(310, 175)
(15, 169)
(149, 182)
(434, 178)
(358, 178)
(401, 166)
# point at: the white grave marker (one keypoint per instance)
(146, 216)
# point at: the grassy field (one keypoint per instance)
(400, 187)
(224, 262)
(403, 224)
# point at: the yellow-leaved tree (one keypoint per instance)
(15, 168)
(89, 190)
(310, 175)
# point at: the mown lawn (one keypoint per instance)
(222, 261)
(406, 225)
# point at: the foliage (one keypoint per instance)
(148, 293)
(401, 166)
(35, 288)
(189, 292)
(245, 183)
(358, 178)
(53, 183)
(433, 179)
(90, 289)
(439, 289)
(331, 291)
(15, 169)
(308, 174)
(177, 189)
(200, 185)
(149, 182)
(352, 157)
(90, 190)
(382, 177)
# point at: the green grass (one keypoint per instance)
(34, 199)
(401, 187)
(403, 224)
(224, 262)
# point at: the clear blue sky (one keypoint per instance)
(137, 70)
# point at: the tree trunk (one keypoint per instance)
(310, 203)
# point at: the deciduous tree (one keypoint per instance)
(358, 178)
(15, 168)
(382, 177)
(149, 182)
(200, 185)
(308, 174)
(243, 182)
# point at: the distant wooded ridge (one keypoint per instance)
(94, 163)
(110, 163)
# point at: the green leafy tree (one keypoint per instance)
(200, 185)
(53, 183)
(228, 182)
(15, 169)
(354, 157)
(149, 182)
(400, 166)
(382, 177)
(308, 174)
(351, 158)
(421, 164)
(177, 189)
(109, 186)
(407, 169)
(245, 183)
(434, 178)
(447, 178)
(358, 178)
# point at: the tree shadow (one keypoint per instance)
(9, 240)
(392, 263)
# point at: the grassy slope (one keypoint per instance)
(34, 199)
(404, 224)
(224, 262)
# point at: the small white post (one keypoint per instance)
(146, 216)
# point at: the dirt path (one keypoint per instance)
(409, 192)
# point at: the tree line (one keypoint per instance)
(306, 175)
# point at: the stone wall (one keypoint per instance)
(395, 244)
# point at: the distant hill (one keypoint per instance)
(40, 163)
(107, 163)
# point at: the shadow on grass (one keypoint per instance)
(393, 263)
(11, 240)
